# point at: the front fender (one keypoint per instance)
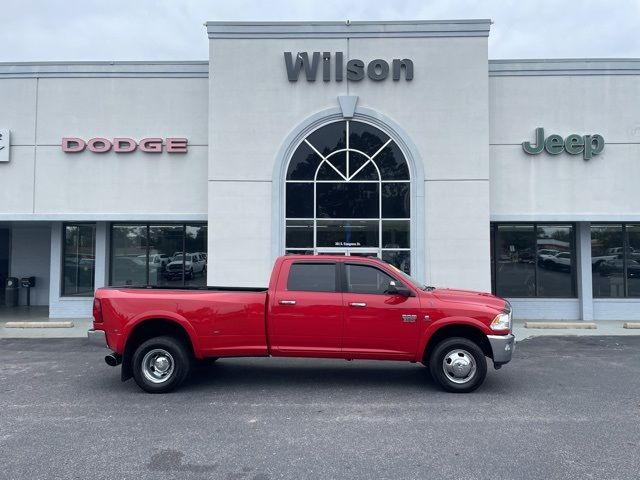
(446, 322)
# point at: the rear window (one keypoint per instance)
(312, 277)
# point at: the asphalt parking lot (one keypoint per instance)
(565, 407)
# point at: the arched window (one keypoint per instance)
(348, 192)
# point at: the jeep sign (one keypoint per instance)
(587, 145)
(574, 144)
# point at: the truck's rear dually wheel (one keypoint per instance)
(161, 364)
(458, 365)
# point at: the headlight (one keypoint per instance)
(501, 322)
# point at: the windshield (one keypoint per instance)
(409, 279)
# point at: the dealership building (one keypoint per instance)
(400, 140)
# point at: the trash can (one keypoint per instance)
(11, 292)
(28, 283)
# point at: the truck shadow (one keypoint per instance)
(320, 374)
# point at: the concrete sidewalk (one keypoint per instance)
(40, 315)
(604, 328)
(79, 329)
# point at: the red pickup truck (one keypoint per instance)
(315, 306)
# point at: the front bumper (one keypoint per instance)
(502, 347)
(97, 337)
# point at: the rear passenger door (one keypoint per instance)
(305, 317)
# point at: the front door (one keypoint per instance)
(377, 324)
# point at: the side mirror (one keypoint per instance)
(401, 290)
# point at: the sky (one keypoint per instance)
(72, 30)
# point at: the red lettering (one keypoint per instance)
(176, 145)
(124, 145)
(73, 145)
(99, 145)
(151, 145)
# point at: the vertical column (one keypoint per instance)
(55, 265)
(102, 254)
(584, 279)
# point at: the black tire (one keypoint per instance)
(175, 354)
(190, 274)
(471, 356)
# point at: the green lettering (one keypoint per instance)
(574, 144)
(593, 145)
(554, 144)
(531, 150)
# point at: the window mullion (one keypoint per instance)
(625, 243)
(535, 262)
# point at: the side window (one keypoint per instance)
(366, 279)
(312, 277)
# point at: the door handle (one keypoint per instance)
(287, 302)
(358, 304)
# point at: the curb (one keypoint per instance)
(39, 325)
(563, 325)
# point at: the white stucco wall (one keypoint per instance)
(252, 108)
(565, 187)
(41, 179)
(443, 111)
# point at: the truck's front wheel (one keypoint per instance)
(161, 364)
(458, 365)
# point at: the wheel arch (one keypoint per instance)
(465, 328)
(150, 326)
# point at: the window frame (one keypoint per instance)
(147, 227)
(63, 293)
(625, 259)
(388, 141)
(494, 255)
(345, 280)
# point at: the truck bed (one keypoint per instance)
(221, 321)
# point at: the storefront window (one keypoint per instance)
(78, 273)
(615, 260)
(515, 261)
(195, 243)
(533, 260)
(554, 258)
(129, 255)
(163, 255)
(348, 193)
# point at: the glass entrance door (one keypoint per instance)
(350, 252)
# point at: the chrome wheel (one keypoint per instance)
(158, 365)
(459, 366)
